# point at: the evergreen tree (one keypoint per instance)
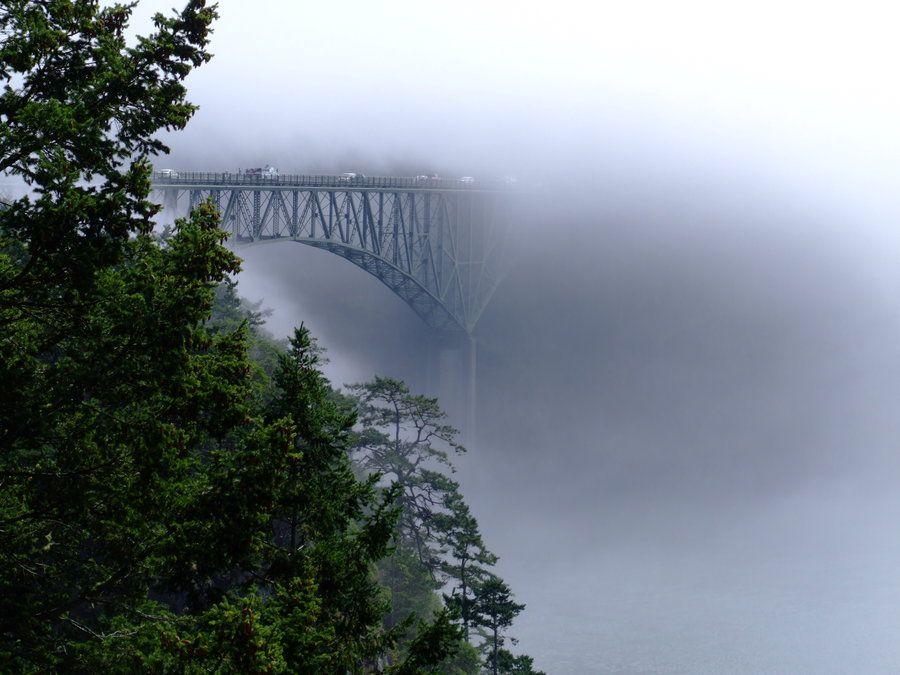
(434, 643)
(405, 439)
(411, 587)
(329, 528)
(107, 379)
(229, 311)
(467, 557)
(507, 662)
(494, 610)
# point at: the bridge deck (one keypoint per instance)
(201, 180)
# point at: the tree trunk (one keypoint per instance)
(464, 605)
(494, 664)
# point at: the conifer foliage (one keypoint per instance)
(404, 439)
(165, 503)
(177, 490)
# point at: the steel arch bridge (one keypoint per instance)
(439, 245)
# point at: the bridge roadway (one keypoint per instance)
(438, 244)
(204, 179)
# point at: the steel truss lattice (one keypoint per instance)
(442, 249)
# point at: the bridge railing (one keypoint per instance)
(319, 180)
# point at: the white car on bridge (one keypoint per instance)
(351, 177)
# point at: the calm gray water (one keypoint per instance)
(817, 593)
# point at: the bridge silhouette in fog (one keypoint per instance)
(440, 245)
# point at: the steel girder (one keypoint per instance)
(442, 251)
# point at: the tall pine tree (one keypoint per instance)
(494, 610)
(467, 558)
(406, 440)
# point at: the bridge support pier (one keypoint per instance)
(451, 374)
(472, 392)
(170, 203)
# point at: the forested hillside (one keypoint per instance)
(178, 491)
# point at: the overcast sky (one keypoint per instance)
(804, 88)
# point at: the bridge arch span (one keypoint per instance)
(440, 246)
(428, 307)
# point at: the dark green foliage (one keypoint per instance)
(78, 104)
(432, 644)
(174, 526)
(166, 504)
(329, 529)
(132, 464)
(176, 493)
(230, 311)
(508, 663)
(108, 380)
(467, 558)
(412, 588)
(466, 661)
(493, 609)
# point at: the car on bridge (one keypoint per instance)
(467, 179)
(351, 177)
(168, 173)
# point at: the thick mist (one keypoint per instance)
(687, 440)
(687, 450)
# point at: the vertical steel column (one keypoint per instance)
(426, 240)
(331, 208)
(380, 219)
(395, 216)
(255, 224)
(472, 392)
